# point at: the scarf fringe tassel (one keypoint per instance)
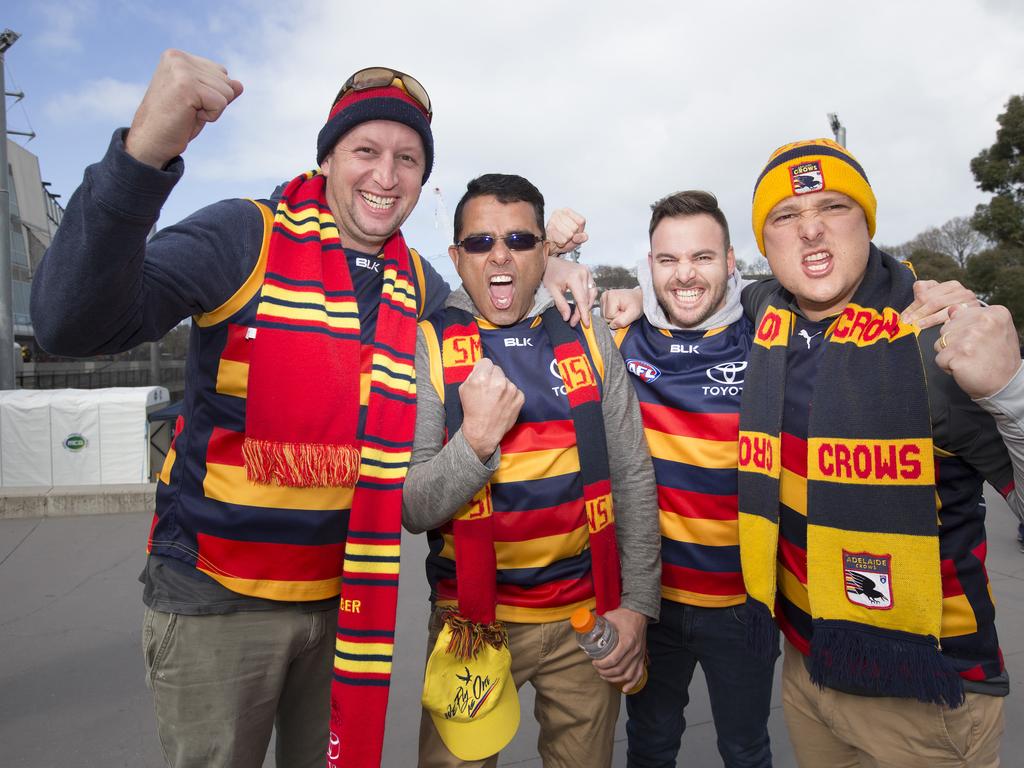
(879, 663)
(300, 465)
(468, 637)
(762, 632)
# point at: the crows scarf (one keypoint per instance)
(302, 417)
(873, 574)
(475, 561)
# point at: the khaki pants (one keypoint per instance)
(575, 708)
(221, 683)
(839, 730)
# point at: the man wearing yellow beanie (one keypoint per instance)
(861, 466)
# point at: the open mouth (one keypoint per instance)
(502, 290)
(688, 297)
(817, 264)
(378, 202)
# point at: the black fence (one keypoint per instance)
(99, 375)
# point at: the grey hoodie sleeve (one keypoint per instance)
(633, 487)
(442, 476)
(1007, 408)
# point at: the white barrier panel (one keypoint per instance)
(75, 439)
(25, 454)
(76, 436)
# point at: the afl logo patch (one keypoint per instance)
(642, 370)
(806, 177)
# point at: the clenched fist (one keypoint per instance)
(979, 348)
(185, 93)
(490, 406)
(566, 230)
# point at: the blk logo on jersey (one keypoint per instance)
(518, 342)
(642, 370)
(371, 264)
(685, 349)
(868, 579)
(806, 177)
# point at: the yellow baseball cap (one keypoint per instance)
(473, 701)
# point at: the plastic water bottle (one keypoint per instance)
(597, 637)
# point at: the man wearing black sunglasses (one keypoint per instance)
(531, 476)
(283, 485)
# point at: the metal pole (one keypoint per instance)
(154, 346)
(7, 39)
(838, 129)
(154, 363)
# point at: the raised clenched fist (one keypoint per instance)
(490, 407)
(185, 93)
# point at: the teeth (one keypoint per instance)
(688, 294)
(378, 202)
(501, 279)
(816, 262)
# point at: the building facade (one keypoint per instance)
(35, 214)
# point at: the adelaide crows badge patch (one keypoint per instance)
(868, 579)
(806, 177)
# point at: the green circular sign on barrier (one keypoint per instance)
(75, 442)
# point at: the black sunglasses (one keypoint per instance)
(382, 77)
(514, 241)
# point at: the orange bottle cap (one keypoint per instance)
(582, 620)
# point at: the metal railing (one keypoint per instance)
(98, 374)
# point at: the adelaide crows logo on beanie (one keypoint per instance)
(805, 167)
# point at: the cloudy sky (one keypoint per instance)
(605, 105)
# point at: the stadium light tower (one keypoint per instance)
(838, 129)
(7, 39)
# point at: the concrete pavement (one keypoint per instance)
(71, 672)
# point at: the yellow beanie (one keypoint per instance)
(810, 166)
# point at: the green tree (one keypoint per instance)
(754, 268)
(956, 238)
(1009, 292)
(1000, 170)
(932, 265)
(609, 276)
(985, 271)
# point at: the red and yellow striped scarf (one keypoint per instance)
(302, 429)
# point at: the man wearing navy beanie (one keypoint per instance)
(282, 488)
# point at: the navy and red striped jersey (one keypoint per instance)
(541, 537)
(689, 385)
(274, 542)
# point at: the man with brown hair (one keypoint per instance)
(688, 357)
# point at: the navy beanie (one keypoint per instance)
(388, 103)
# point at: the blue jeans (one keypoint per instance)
(740, 687)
